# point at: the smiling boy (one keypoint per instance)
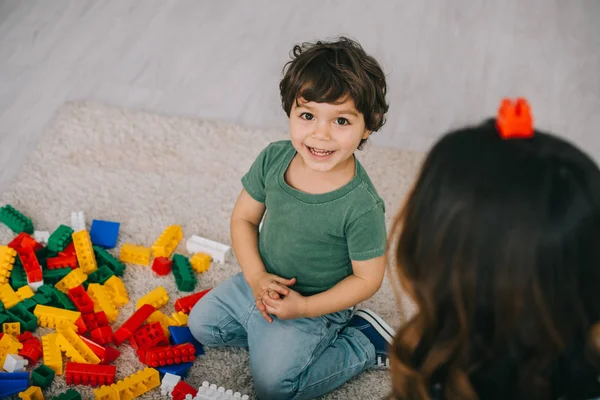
(321, 249)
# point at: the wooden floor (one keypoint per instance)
(448, 63)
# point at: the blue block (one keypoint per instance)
(176, 369)
(104, 233)
(182, 334)
(13, 383)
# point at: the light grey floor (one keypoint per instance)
(448, 62)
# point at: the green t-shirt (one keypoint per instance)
(314, 237)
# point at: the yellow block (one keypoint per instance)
(85, 252)
(102, 301)
(7, 261)
(133, 254)
(200, 262)
(8, 345)
(164, 321)
(52, 354)
(156, 298)
(11, 328)
(8, 297)
(74, 347)
(73, 279)
(116, 290)
(25, 292)
(180, 317)
(32, 393)
(51, 317)
(107, 393)
(167, 241)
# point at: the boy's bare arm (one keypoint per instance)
(361, 285)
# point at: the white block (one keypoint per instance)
(78, 221)
(168, 383)
(41, 237)
(35, 285)
(15, 363)
(218, 251)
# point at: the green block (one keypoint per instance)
(20, 314)
(16, 221)
(3, 318)
(185, 278)
(103, 257)
(68, 395)
(60, 238)
(57, 298)
(101, 275)
(42, 376)
(1, 306)
(52, 276)
(46, 290)
(18, 278)
(40, 298)
(43, 254)
(28, 304)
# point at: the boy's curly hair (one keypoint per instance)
(328, 72)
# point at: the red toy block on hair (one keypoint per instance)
(162, 265)
(514, 120)
(90, 374)
(186, 303)
(133, 323)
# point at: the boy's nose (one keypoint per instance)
(322, 132)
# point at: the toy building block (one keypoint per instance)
(53, 276)
(68, 395)
(81, 299)
(102, 301)
(208, 391)
(133, 254)
(93, 375)
(13, 383)
(182, 335)
(218, 251)
(32, 393)
(168, 383)
(8, 297)
(84, 251)
(150, 335)
(52, 354)
(11, 328)
(32, 350)
(167, 355)
(74, 278)
(17, 277)
(42, 376)
(103, 257)
(176, 369)
(20, 314)
(68, 260)
(31, 265)
(41, 237)
(76, 349)
(133, 323)
(102, 334)
(34, 285)
(24, 292)
(109, 393)
(186, 303)
(60, 239)
(57, 298)
(132, 386)
(70, 249)
(156, 298)
(117, 291)
(15, 363)
(104, 233)
(181, 390)
(166, 243)
(101, 275)
(7, 262)
(78, 221)
(16, 221)
(24, 241)
(200, 262)
(106, 354)
(183, 273)
(52, 317)
(180, 318)
(161, 266)
(164, 321)
(29, 304)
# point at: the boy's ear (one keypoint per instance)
(366, 134)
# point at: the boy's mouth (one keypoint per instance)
(319, 152)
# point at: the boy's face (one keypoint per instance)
(326, 135)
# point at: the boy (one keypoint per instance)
(321, 248)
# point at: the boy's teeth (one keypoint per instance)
(319, 152)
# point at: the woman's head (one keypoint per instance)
(499, 245)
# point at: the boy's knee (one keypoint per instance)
(202, 325)
(273, 382)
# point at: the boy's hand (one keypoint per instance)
(292, 306)
(265, 284)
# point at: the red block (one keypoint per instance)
(23, 336)
(186, 303)
(102, 334)
(133, 323)
(162, 265)
(24, 241)
(32, 350)
(150, 335)
(90, 321)
(89, 374)
(31, 265)
(182, 389)
(82, 300)
(62, 262)
(167, 355)
(102, 319)
(106, 354)
(68, 251)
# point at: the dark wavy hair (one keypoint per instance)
(329, 72)
(499, 245)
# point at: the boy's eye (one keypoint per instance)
(307, 116)
(342, 121)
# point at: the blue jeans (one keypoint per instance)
(290, 359)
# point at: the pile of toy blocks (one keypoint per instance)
(177, 389)
(68, 281)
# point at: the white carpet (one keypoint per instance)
(148, 171)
